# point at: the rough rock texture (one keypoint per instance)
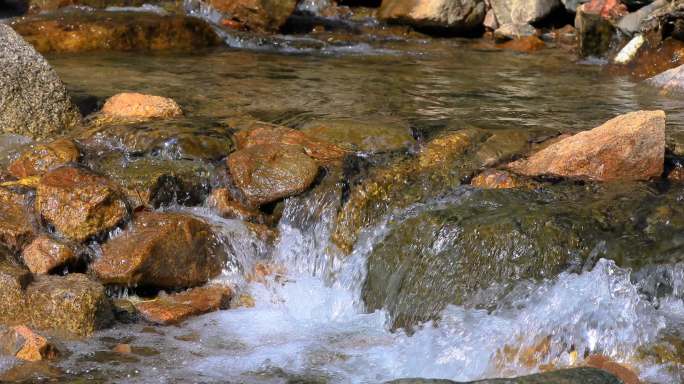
(319, 149)
(670, 82)
(175, 308)
(14, 279)
(223, 203)
(628, 147)
(522, 11)
(594, 23)
(362, 135)
(46, 254)
(79, 203)
(33, 101)
(114, 31)
(164, 250)
(16, 228)
(24, 344)
(497, 179)
(513, 31)
(269, 172)
(253, 15)
(72, 305)
(567, 376)
(140, 106)
(44, 157)
(460, 16)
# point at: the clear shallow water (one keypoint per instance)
(309, 324)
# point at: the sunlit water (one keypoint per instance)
(309, 322)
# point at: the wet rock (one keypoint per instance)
(225, 206)
(24, 344)
(46, 254)
(625, 374)
(497, 179)
(522, 11)
(676, 175)
(594, 23)
(122, 348)
(44, 157)
(316, 148)
(269, 172)
(16, 227)
(157, 182)
(114, 31)
(628, 147)
(176, 308)
(79, 203)
(513, 31)
(633, 22)
(362, 135)
(670, 82)
(37, 6)
(652, 59)
(71, 305)
(566, 376)
(14, 279)
(31, 372)
(164, 250)
(527, 44)
(140, 106)
(33, 100)
(253, 15)
(459, 16)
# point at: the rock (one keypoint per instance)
(44, 157)
(676, 175)
(164, 250)
(71, 305)
(24, 344)
(156, 182)
(632, 22)
(46, 254)
(629, 51)
(253, 15)
(122, 348)
(496, 179)
(16, 227)
(79, 203)
(527, 44)
(564, 376)
(44, 6)
(31, 372)
(14, 279)
(490, 21)
(513, 31)
(456, 16)
(33, 100)
(225, 206)
(594, 25)
(522, 11)
(362, 135)
(627, 147)
(625, 374)
(572, 5)
(269, 172)
(176, 308)
(316, 148)
(670, 82)
(70, 32)
(140, 106)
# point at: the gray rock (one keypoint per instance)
(670, 82)
(33, 100)
(455, 15)
(513, 31)
(632, 22)
(522, 11)
(566, 376)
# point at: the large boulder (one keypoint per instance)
(164, 250)
(268, 172)
(522, 11)
(252, 15)
(79, 203)
(627, 147)
(114, 31)
(566, 376)
(458, 16)
(33, 101)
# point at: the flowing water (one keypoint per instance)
(309, 322)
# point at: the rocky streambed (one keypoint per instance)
(320, 192)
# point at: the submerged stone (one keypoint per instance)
(362, 135)
(497, 179)
(114, 31)
(164, 250)
(175, 308)
(33, 100)
(44, 157)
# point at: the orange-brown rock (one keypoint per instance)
(24, 344)
(676, 175)
(255, 15)
(165, 250)
(176, 308)
(13, 279)
(46, 254)
(44, 157)
(140, 106)
(122, 348)
(526, 44)
(320, 150)
(628, 147)
(16, 228)
(622, 372)
(75, 31)
(79, 203)
(497, 179)
(269, 172)
(223, 203)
